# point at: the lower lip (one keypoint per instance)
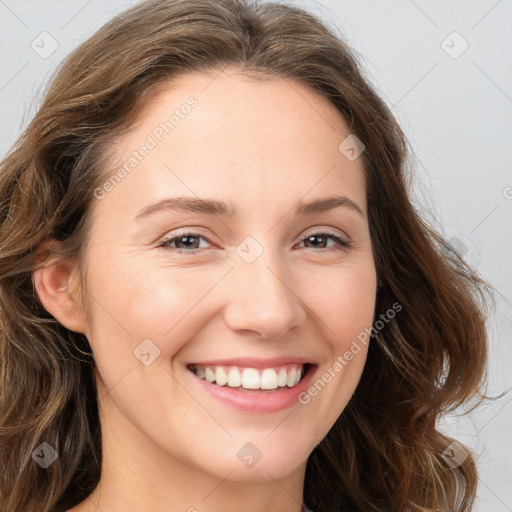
(263, 402)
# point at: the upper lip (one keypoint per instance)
(255, 362)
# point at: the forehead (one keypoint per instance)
(233, 137)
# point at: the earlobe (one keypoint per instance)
(56, 285)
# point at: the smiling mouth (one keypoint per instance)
(255, 380)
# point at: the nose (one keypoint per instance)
(262, 298)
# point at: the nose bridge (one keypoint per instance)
(262, 297)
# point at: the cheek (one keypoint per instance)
(131, 302)
(347, 311)
(350, 347)
(347, 304)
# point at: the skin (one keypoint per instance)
(261, 146)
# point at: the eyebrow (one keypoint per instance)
(218, 208)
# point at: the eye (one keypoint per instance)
(341, 243)
(189, 240)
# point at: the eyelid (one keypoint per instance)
(325, 231)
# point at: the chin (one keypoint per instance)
(258, 459)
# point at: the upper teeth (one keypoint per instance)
(251, 378)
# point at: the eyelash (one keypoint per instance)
(343, 244)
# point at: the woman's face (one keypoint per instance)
(250, 297)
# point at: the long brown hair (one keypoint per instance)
(384, 453)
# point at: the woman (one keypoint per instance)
(215, 292)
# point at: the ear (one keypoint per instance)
(57, 287)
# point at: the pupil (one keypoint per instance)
(313, 237)
(187, 239)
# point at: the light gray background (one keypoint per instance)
(456, 112)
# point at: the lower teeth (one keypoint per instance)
(240, 388)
